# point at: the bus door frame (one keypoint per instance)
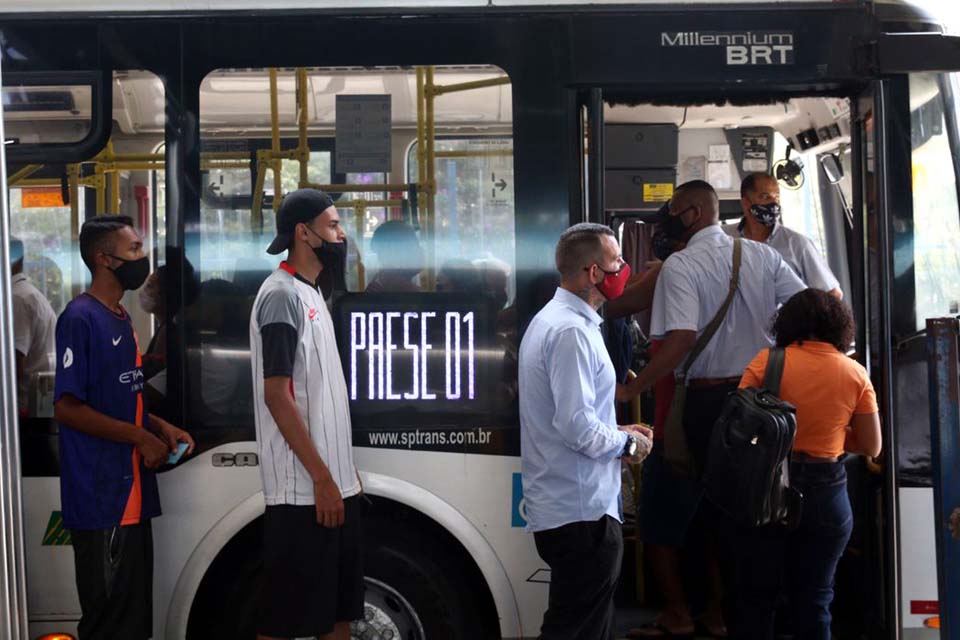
(13, 586)
(893, 57)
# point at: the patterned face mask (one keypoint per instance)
(766, 214)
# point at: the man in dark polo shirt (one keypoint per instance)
(109, 443)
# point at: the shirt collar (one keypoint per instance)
(705, 234)
(20, 277)
(577, 304)
(743, 223)
(816, 345)
(286, 267)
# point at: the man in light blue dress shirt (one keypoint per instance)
(571, 446)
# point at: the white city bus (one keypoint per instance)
(486, 128)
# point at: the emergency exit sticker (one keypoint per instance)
(657, 191)
(39, 197)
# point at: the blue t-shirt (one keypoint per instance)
(102, 483)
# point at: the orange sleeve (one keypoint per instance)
(753, 374)
(867, 403)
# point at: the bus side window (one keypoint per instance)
(936, 246)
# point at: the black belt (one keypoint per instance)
(706, 383)
(806, 458)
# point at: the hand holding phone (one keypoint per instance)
(176, 455)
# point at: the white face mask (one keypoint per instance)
(148, 301)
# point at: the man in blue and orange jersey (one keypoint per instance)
(109, 443)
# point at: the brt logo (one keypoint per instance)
(741, 47)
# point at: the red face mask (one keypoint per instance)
(614, 282)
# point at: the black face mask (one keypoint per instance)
(662, 245)
(333, 257)
(132, 273)
(673, 225)
(766, 214)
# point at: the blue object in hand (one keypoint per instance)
(176, 455)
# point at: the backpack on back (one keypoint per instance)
(748, 467)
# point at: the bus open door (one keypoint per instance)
(909, 153)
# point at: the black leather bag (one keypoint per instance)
(748, 468)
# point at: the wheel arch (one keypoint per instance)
(408, 495)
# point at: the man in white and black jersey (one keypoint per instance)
(313, 582)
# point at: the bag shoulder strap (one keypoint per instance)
(711, 328)
(774, 370)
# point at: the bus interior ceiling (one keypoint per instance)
(236, 106)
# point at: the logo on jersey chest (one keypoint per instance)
(134, 378)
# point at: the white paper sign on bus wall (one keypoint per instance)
(363, 134)
(738, 47)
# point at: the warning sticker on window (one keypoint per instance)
(657, 191)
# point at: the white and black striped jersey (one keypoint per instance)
(291, 335)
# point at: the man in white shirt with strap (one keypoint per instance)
(692, 286)
(760, 200)
(313, 574)
(34, 327)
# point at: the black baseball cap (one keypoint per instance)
(302, 205)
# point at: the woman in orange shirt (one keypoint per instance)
(836, 413)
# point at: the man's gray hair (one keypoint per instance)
(580, 246)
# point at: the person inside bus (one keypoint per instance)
(313, 524)
(760, 200)
(570, 445)
(691, 288)
(399, 258)
(837, 413)
(109, 441)
(34, 323)
(458, 275)
(154, 299)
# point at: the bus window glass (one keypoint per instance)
(937, 225)
(49, 202)
(474, 210)
(421, 349)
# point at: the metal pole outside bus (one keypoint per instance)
(13, 591)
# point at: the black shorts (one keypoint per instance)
(115, 581)
(313, 576)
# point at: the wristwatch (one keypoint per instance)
(630, 448)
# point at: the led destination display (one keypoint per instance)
(412, 357)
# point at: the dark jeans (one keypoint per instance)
(584, 560)
(802, 562)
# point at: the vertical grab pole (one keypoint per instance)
(431, 181)
(595, 165)
(942, 363)
(275, 162)
(13, 591)
(76, 264)
(303, 147)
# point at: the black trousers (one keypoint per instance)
(714, 531)
(115, 582)
(584, 560)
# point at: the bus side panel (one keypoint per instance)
(918, 553)
(195, 497)
(50, 571)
